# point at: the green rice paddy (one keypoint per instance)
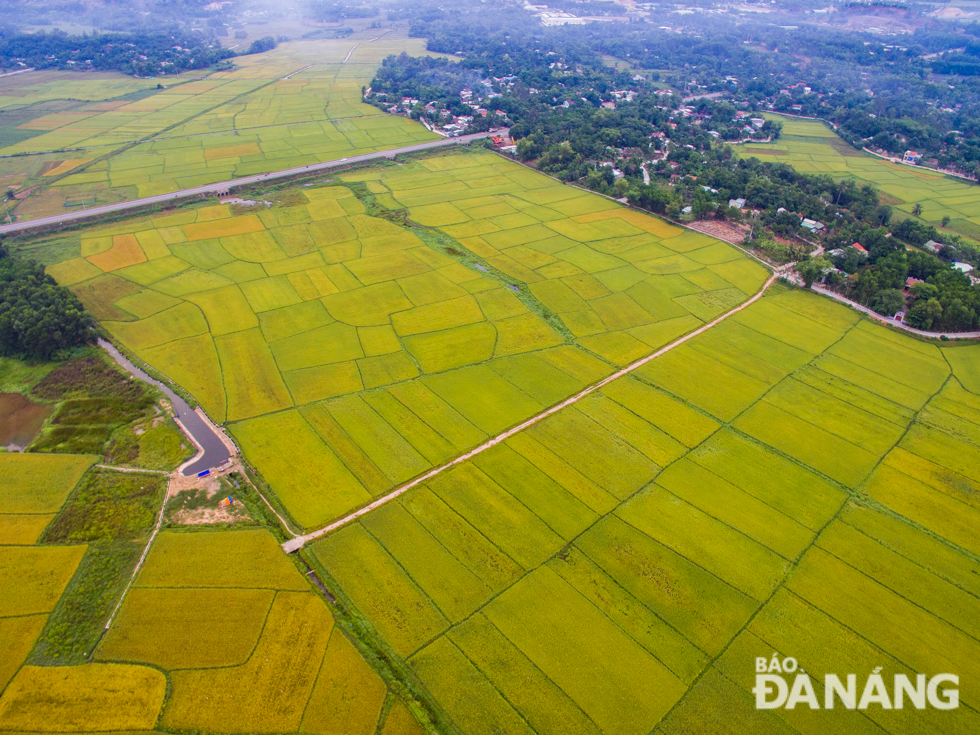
(638, 550)
(797, 479)
(811, 147)
(349, 354)
(297, 105)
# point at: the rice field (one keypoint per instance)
(618, 566)
(812, 147)
(35, 581)
(247, 647)
(33, 488)
(349, 354)
(71, 699)
(220, 632)
(296, 105)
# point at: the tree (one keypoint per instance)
(888, 301)
(925, 314)
(946, 220)
(38, 318)
(917, 210)
(883, 214)
(262, 45)
(957, 317)
(924, 291)
(812, 269)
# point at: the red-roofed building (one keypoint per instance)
(859, 247)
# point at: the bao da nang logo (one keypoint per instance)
(782, 684)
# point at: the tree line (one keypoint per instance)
(38, 318)
(140, 54)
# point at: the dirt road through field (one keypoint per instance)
(299, 542)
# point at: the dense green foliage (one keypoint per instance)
(142, 54)
(565, 114)
(38, 318)
(262, 45)
(90, 377)
(108, 505)
(946, 300)
(95, 399)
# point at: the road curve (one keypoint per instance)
(212, 451)
(223, 186)
(888, 320)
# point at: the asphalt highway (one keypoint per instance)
(224, 186)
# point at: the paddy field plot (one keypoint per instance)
(350, 354)
(247, 646)
(36, 580)
(813, 148)
(245, 641)
(296, 105)
(679, 528)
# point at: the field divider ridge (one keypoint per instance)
(139, 564)
(300, 541)
(137, 470)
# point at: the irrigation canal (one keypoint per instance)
(212, 451)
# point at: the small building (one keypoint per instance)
(860, 248)
(911, 157)
(899, 316)
(933, 247)
(812, 225)
(687, 210)
(962, 267)
(757, 122)
(737, 203)
(910, 282)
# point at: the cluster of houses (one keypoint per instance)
(440, 119)
(551, 17)
(815, 227)
(931, 246)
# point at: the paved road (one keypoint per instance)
(892, 322)
(223, 186)
(214, 450)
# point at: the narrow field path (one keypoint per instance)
(139, 564)
(361, 43)
(299, 542)
(135, 470)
